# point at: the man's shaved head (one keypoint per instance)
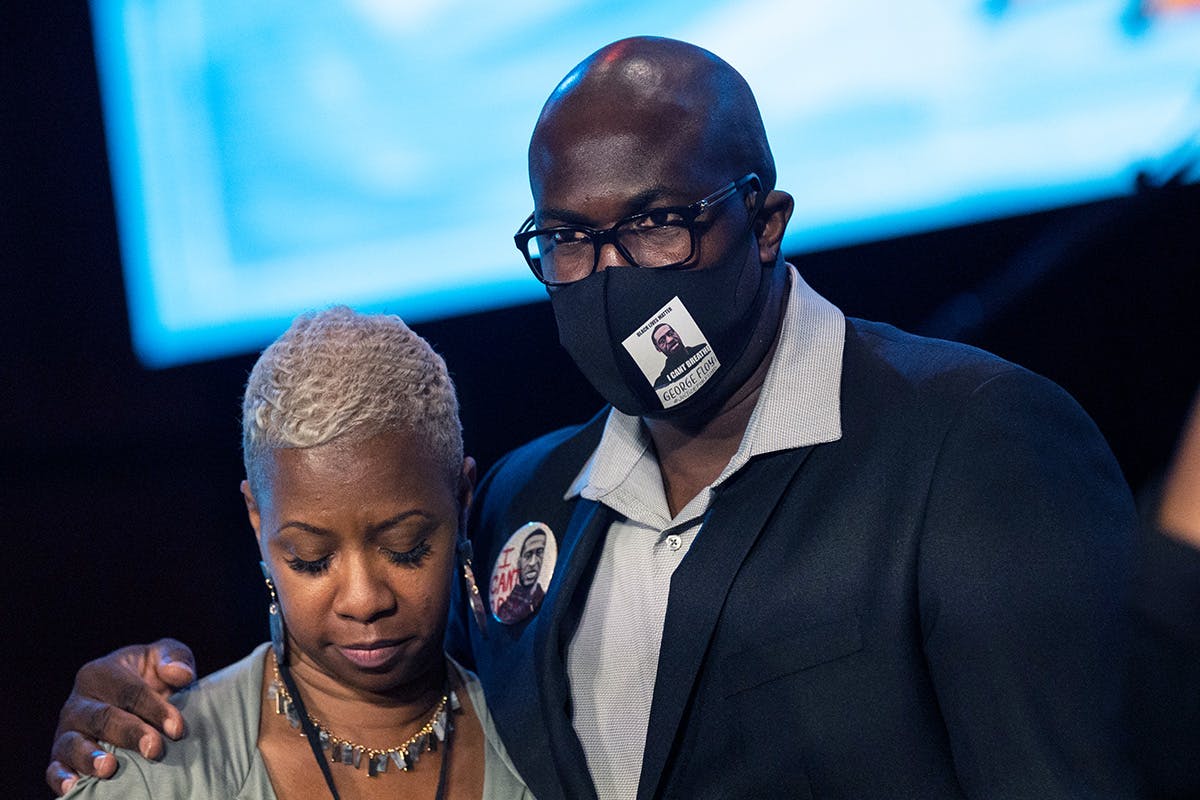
(667, 99)
(643, 128)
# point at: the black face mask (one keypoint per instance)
(609, 323)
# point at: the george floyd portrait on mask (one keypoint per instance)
(821, 558)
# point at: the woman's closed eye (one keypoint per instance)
(406, 558)
(410, 558)
(313, 567)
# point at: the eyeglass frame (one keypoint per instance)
(602, 236)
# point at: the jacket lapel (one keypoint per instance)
(588, 525)
(739, 510)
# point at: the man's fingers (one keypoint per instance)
(174, 663)
(98, 720)
(59, 778)
(115, 696)
(141, 701)
(175, 667)
(173, 724)
(107, 682)
(74, 753)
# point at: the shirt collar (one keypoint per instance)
(799, 405)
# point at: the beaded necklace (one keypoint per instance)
(437, 729)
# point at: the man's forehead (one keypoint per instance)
(598, 179)
(582, 145)
(606, 152)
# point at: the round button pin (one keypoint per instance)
(522, 573)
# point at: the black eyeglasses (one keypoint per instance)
(661, 238)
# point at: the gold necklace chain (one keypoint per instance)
(345, 751)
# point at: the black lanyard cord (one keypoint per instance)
(314, 739)
(441, 789)
(310, 730)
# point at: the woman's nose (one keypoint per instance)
(363, 594)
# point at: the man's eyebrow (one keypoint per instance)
(636, 204)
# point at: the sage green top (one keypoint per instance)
(219, 757)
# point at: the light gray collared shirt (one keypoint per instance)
(612, 660)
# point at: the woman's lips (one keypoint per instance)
(372, 655)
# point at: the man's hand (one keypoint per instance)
(114, 698)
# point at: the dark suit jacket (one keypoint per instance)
(925, 608)
(1164, 683)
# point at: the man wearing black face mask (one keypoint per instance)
(847, 561)
(841, 561)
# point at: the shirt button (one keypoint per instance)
(674, 541)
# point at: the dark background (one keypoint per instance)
(122, 520)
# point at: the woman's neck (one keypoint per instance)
(378, 719)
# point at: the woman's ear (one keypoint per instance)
(466, 493)
(252, 511)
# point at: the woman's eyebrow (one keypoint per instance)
(390, 522)
(372, 530)
(304, 526)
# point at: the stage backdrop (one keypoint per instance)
(269, 157)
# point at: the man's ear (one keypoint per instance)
(252, 511)
(466, 493)
(772, 221)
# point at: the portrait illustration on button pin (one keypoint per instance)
(522, 573)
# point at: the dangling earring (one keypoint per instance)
(465, 551)
(275, 617)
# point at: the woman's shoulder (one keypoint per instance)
(500, 778)
(217, 758)
(229, 700)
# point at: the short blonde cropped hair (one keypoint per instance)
(337, 373)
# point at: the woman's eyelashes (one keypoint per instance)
(411, 557)
(314, 567)
(407, 558)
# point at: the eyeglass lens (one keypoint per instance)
(570, 255)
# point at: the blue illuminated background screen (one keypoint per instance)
(271, 157)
